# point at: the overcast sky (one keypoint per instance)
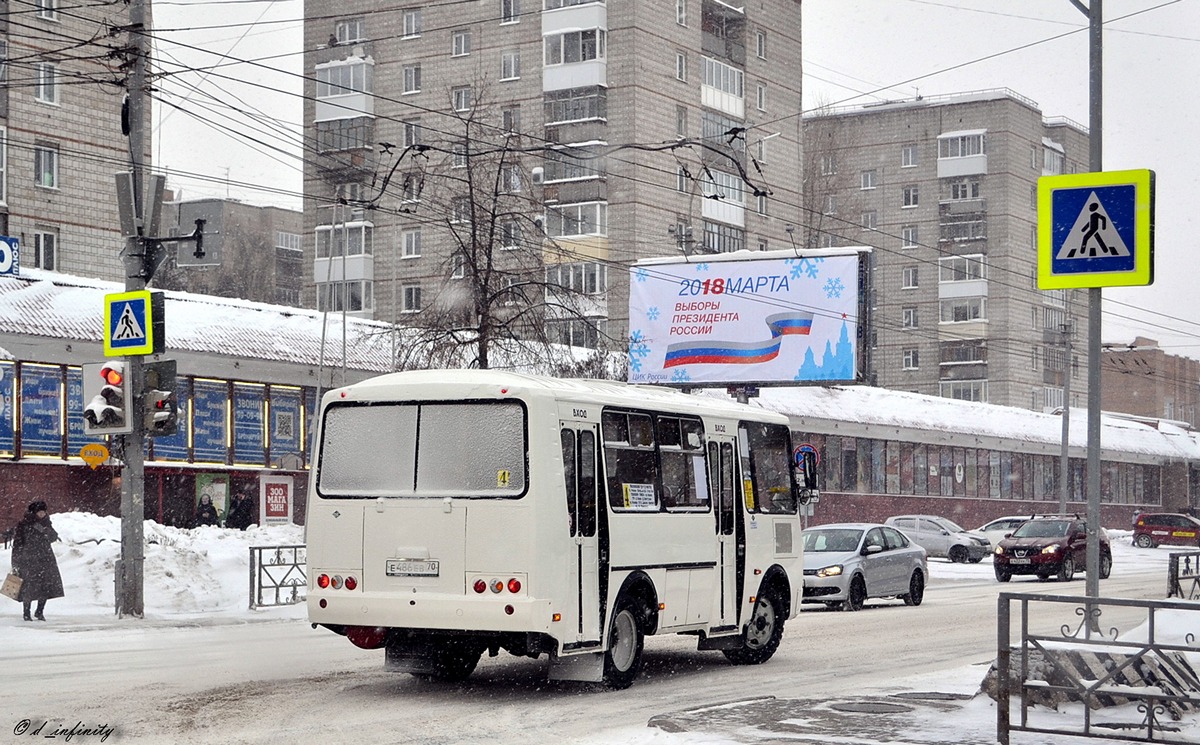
(855, 51)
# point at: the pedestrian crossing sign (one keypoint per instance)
(1096, 230)
(132, 321)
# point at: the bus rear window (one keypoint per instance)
(472, 449)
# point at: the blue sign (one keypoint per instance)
(248, 440)
(286, 411)
(8, 390)
(10, 256)
(209, 424)
(175, 447)
(1092, 229)
(41, 402)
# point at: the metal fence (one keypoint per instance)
(1183, 576)
(1129, 686)
(278, 575)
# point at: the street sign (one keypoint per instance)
(10, 256)
(133, 323)
(1096, 230)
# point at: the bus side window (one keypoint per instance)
(569, 478)
(631, 464)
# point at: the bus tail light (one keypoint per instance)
(351, 583)
(514, 585)
(480, 586)
(336, 582)
(323, 581)
(497, 585)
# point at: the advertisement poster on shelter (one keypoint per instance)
(749, 317)
(276, 496)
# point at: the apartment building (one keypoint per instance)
(944, 188)
(61, 136)
(532, 150)
(1143, 379)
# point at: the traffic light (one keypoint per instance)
(162, 407)
(106, 389)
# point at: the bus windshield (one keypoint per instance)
(470, 449)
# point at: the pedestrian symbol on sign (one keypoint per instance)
(1093, 234)
(128, 328)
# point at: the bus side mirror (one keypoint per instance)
(809, 488)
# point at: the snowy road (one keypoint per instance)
(281, 681)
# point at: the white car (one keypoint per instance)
(846, 563)
(942, 537)
(999, 529)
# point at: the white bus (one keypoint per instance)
(453, 512)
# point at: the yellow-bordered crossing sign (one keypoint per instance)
(133, 323)
(1096, 230)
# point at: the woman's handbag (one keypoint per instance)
(12, 586)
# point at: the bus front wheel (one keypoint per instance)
(623, 659)
(763, 631)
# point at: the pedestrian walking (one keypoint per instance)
(33, 560)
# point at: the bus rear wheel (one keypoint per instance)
(763, 632)
(623, 658)
(453, 661)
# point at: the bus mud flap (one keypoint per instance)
(588, 668)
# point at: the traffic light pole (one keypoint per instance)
(130, 573)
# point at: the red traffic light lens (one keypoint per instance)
(111, 376)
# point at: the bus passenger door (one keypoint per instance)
(581, 474)
(722, 477)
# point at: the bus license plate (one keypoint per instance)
(412, 568)
(1019, 561)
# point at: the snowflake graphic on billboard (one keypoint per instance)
(834, 287)
(680, 375)
(805, 267)
(638, 349)
(640, 275)
(652, 313)
(703, 267)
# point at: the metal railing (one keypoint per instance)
(1129, 684)
(1184, 569)
(278, 575)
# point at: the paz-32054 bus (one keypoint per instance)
(454, 512)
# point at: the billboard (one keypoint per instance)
(746, 317)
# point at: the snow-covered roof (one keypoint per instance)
(53, 305)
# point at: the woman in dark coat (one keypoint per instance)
(206, 512)
(33, 559)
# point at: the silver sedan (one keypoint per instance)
(847, 563)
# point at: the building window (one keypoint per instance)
(908, 156)
(577, 332)
(458, 266)
(762, 244)
(760, 44)
(830, 204)
(961, 146)
(3, 165)
(681, 12)
(350, 30)
(510, 11)
(908, 278)
(720, 238)
(46, 89)
(962, 309)
(45, 249)
(354, 295)
(510, 64)
(462, 98)
(350, 239)
(681, 66)
(909, 317)
(288, 241)
(870, 220)
(910, 197)
(576, 104)
(345, 134)
(828, 164)
(867, 179)
(1035, 359)
(412, 79)
(585, 277)
(573, 164)
(410, 298)
(1052, 159)
(587, 218)
(341, 79)
(510, 118)
(575, 46)
(681, 121)
(908, 236)
(458, 155)
(911, 359)
(962, 268)
(724, 186)
(760, 97)
(410, 187)
(761, 207)
(45, 166)
(762, 150)
(412, 23)
(510, 234)
(964, 189)
(411, 240)
(510, 178)
(47, 10)
(723, 77)
(460, 210)
(412, 132)
(964, 390)
(460, 43)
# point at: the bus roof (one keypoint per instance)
(459, 384)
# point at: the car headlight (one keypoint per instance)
(1051, 549)
(832, 571)
(999, 550)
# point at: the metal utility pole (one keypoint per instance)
(1095, 164)
(1064, 466)
(130, 572)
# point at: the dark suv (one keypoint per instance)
(1049, 546)
(1152, 528)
